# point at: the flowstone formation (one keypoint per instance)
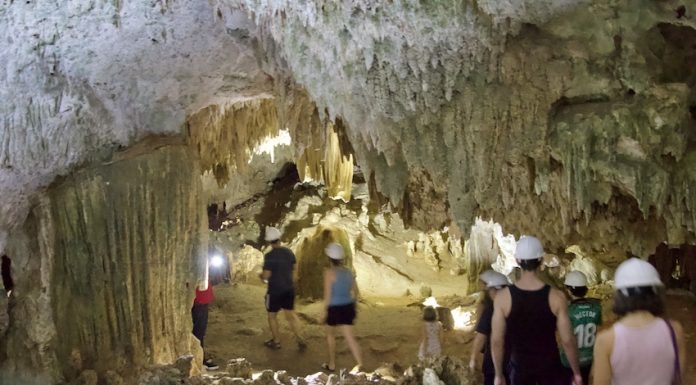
(570, 120)
(105, 269)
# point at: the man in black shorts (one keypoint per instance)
(526, 316)
(278, 266)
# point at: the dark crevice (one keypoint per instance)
(676, 265)
(274, 205)
(531, 169)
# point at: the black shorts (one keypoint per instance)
(285, 301)
(341, 315)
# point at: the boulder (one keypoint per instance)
(239, 367)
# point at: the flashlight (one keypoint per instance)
(216, 261)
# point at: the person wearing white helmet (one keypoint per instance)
(278, 267)
(641, 347)
(340, 295)
(493, 282)
(526, 316)
(585, 318)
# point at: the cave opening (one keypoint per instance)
(676, 265)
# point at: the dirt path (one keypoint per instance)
(387, 329)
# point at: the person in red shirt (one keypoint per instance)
(199, 314)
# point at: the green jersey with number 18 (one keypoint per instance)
(585, 317)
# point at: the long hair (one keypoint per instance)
(645, 298)
(429, 314)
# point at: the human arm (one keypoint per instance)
(266, 272)
(356, 291)
(439, 335)
(681, 345)
(601, 366)
(476, 346)
(559, 306)
(328, 281)
(501, 306)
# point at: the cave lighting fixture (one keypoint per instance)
(216, 261)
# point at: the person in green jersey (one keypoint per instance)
(585, 318)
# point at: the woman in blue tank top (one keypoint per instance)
(340, 294)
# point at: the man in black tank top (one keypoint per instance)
(529, 313)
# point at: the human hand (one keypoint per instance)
(472, 364)
(577, 379)
(499, 380)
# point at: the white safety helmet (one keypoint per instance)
(575, 279)
(636, 272)
(272, 234)
(335, 251)
(493, 279)
(528, 248)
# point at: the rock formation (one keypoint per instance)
(551, 117)
(106, 265)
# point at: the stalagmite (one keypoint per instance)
(312, 260)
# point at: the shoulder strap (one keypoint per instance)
(677, 367)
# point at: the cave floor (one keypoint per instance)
(387, 329)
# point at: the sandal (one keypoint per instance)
(272, 344)
(301, 345)
(326, 367)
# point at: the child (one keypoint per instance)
(585, 317)
(431, 342)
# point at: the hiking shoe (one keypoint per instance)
(272, 344)
(210, 365)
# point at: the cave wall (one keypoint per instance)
(105, 267)
(570, 120)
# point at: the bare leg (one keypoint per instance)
(294, 324)
(331, 342)
(273, 324)
(347, 331)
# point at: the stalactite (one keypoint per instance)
(477, 104)
(224, 135)
(329, 165)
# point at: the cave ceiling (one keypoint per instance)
(567, 119)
